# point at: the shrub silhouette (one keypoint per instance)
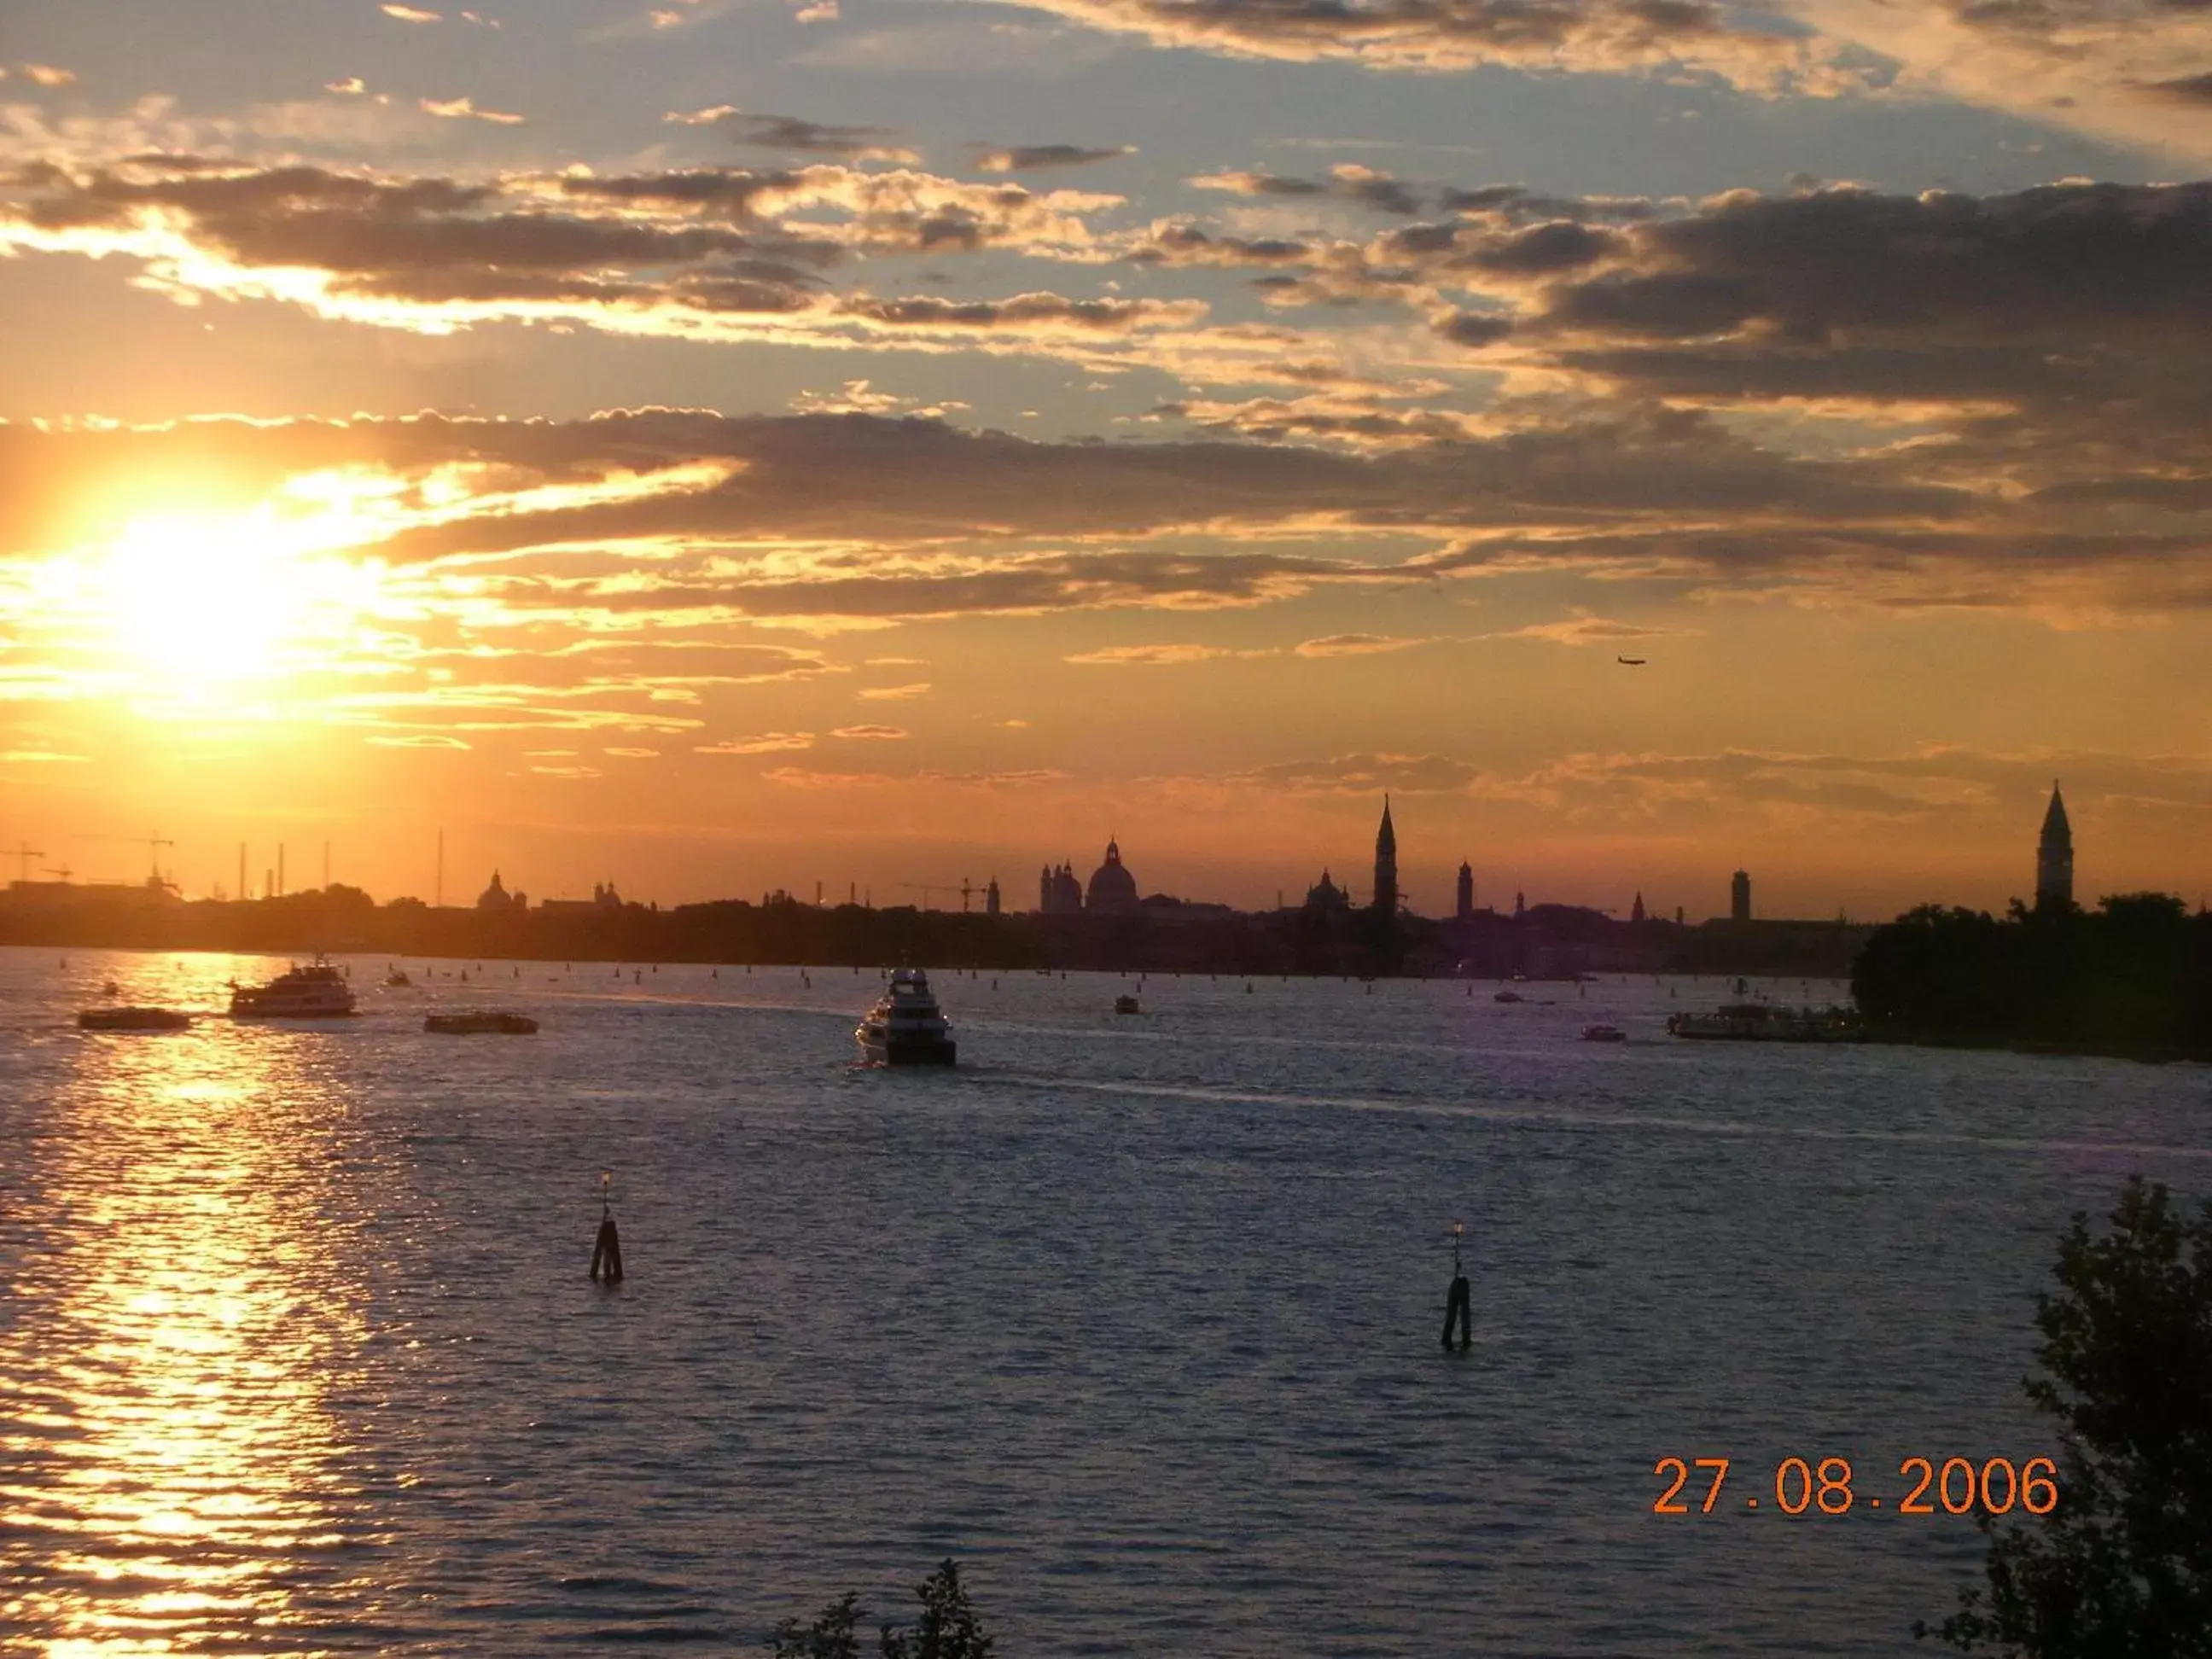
(949, 1628)
(2121, 1567)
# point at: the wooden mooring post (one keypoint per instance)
(1459, 1305)
(606, 1248)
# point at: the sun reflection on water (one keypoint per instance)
(171, 1471)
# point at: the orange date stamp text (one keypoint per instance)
(1958, 1486)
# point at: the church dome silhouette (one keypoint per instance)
(1112, 886)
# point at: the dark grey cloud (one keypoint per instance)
(859, 586)
(2110, 260)
(1517, 204)
(730, 191)
(910, 480)
(707, 240)
(213, 190)
(2003, 564)
(1383, 194)
(1363, 187)
(2069, 327)
(1189, 245)
(1023, 158)
(1472, 328)
(1413, 264)
(1592, 36)
(419, 236)
(1548, 249)
(1362, 421)
(2184, 89)
(2163, 493)
(798, 136)
(1024, 311)
(1666, 305)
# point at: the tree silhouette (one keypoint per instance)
(949, 1627)
(829, 1637)
(2121, 1567)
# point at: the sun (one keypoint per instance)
(211, 601)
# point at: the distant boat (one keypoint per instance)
(133, 1019)
(481, 1020)
(1604, 1034)
(1508, 996)
(906, 1027)
(1127, 1005)
(398, 980)
(1631, 662)
(1763, 1022)
(318, 991)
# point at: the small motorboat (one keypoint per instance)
(1127, 1005)
(318, 991)
(110, 988)
(1604, 1034)
(906, 1027)
(480, 1020)
(133, 1019)
(1508, 996)
(396, 979)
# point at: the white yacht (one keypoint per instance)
(906, 1027)
(318, 991)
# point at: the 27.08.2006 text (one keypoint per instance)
(1960, 1486)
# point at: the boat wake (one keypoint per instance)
(1561, 1117)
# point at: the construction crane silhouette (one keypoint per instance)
(153, 844)
(62, 870)
(26, 851)
(965, 888)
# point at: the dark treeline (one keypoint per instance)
(2135, 975)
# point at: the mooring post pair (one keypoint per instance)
(1459, 1305)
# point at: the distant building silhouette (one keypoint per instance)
(603, 898)
(1636, 910)
(990, 898)
(1740, 896)
(1463, 904)
(1520, 905)
(1059, 893)
(1386, 866)
(496, 898)
(1325, 898)
(1112, 887)
(2054, 857)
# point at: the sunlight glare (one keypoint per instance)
(197, 600)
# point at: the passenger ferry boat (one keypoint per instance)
(318, 991)
(906, 1027)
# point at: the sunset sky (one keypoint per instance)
(748, 443)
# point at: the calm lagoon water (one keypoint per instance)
(1136, 1316)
